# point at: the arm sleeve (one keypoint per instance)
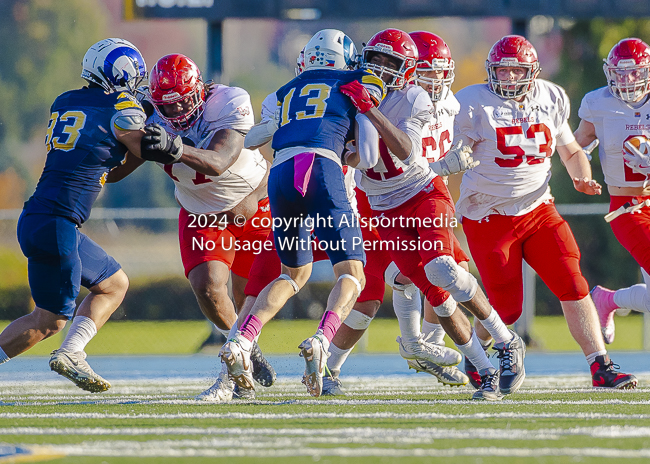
(269, 105)
(368, 143)
(261, 133)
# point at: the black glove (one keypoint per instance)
(160, 146)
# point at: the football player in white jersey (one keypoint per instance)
(414, 211)
(617, 116)
(514, 123)
(220, 186)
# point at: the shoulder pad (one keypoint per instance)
(223, 101)
(125, 100)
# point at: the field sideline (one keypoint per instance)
(283, 337)
(400, 419)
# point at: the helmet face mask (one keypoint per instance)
(435, 67)
(627, 68)
(177, 91)
(115, 65)
(397, 45)
(512, 51)
(329, 49)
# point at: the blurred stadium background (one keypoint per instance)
(43, 42)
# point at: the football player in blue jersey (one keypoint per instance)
(89, 133)
(306, 191)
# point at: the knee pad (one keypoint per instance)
(353, 279)
(391, 273)
(293, 283)
(357, 320)
(447, 308)
(443, 272)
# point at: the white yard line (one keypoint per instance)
(288, 416)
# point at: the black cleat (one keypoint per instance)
(263, 372)
(605, 375)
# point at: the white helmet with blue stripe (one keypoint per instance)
(114, 65)
(330, 48)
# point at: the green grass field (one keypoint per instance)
(408, 419)
(283, 336)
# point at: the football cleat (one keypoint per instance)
(606, 308)
(605, 375)
(263, 372)
(238, 361)
(511, 364)
(73, 366)
(240, 393)
(315, 356)
(221, 391)
(423, 350)
(332, 386)
(449, 375)
(489, 388)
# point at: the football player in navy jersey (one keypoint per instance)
(312, 125)
(89, 133)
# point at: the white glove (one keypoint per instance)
(458, 159)
(637, 160)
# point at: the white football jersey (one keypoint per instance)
(392, 181)
(615, 123)
(225, 108)
(438, 133)
(514, 142)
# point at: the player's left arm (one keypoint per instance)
(221, 153)
(130, 164)
(578, 167)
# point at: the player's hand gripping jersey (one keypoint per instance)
(321, 117)
(392, 181)
(225, 108)
(514, 142)
(82, 148)
(616, 123)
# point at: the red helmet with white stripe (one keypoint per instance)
(177, 79)
(627, 68)
(433, 55)
(398, 45)
(516, 52)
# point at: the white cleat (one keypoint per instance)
(73, 366)
(315, 355)
(423, 350)
(332, 386)
(221, 391)
(238, 361)
(449, 375)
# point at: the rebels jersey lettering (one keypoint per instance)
(82, 148)
(225, 108)
(392, 181)
(513, 140)
(615, 123)
(438, 133)
(315, 114)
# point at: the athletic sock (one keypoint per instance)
(251, 327)
(329, 324)
(336, 359)
(495, 326)
(475, 353)
(434, 332)
(408, 312)
(592, 357)
(82, 330)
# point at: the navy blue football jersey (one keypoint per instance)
(314, 113)
(81, 150)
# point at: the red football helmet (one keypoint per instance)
(434, 55)
(397, 44)
(517, 52)
(627, 67)
(176, 78)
